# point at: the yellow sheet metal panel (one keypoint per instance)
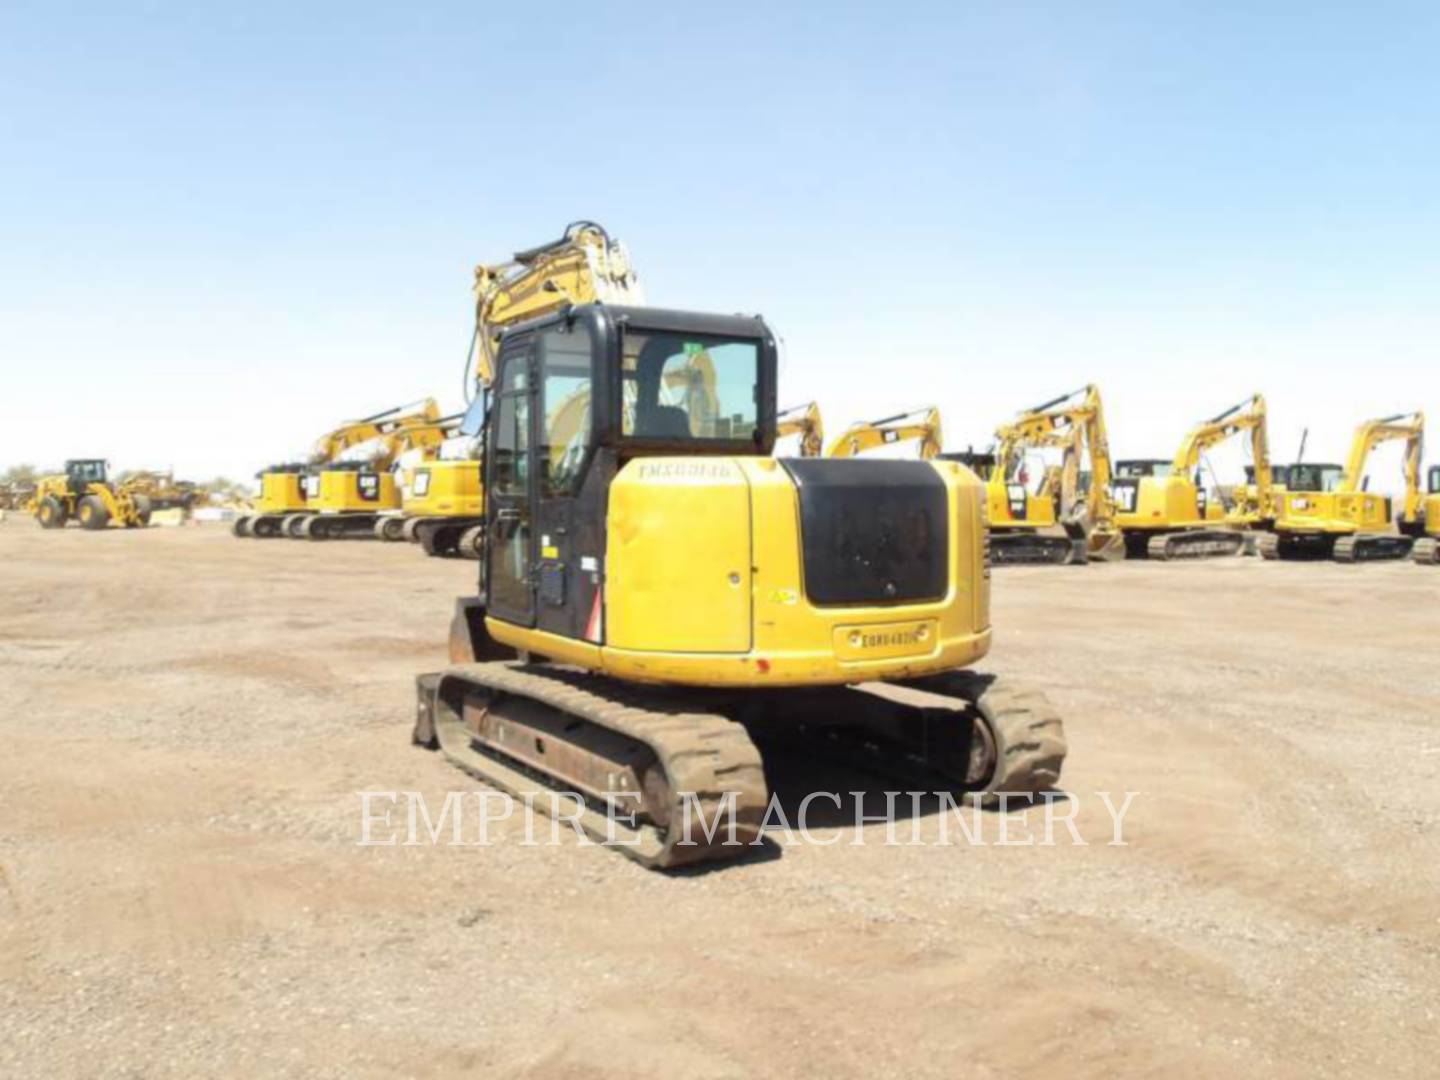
(1163, 502)
(348, 491)
(1333, 512)
(281, 493)
(678, 573)
(444, 489)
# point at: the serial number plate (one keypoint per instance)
(884, 641)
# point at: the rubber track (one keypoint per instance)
(1029, 735)
(701, 753)
(1371, 547)
(1194, 544)
(1028, 549)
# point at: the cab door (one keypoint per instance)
(510, 554)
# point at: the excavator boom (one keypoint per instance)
(1071, 423)
(919, 425)
(805, 421)
(583, 266)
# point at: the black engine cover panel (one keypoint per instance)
(872, 531)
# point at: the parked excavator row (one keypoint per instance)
(1160, 509)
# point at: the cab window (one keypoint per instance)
(511, 445)
(566, 381)
(689, 386)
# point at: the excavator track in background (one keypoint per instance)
(1426, 551)
(527, 729)
(1361, 547)
(1035, 549)
(456, 538)
(1195, 544)
(1372, 547)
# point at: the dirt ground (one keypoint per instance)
(187, 720)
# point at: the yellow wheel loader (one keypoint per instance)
(658, 588)
(1063, 521)
(1163, 510)
(1427, 547)
(84, 494)
(1326, 512)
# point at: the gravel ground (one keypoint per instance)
(188, 719)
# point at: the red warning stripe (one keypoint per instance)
(595, 627)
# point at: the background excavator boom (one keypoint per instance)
(921, 425)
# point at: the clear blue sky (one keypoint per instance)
(224, 227)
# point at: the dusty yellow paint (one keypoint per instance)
(704, 586)
(340, 492)
(678, 543)
(450, 489)
(281, 493)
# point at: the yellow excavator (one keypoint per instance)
(659, 586)
(1325, 511)
(282, 504)
(1068, 519)
(443, 508)
(1427, 547)
(345, 499)
(84, 493)
(806, 422)
(919, 425)
(1161, 508)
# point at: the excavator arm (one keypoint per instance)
(1407, 427)
(921, 425)
(1072, 422)
(581, 267)
(352, 433)
(805, 421)
(1248, 416)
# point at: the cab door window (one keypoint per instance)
(566, 377)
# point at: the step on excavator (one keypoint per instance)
(85, 494)
(1427, 547)
(921, 426)
(1058, 523)
(443, 510)
(659, 591)
(345, 499)
(282, 505)
(1162, 506)
(1325, 511)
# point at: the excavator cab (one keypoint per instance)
(1314, 478)
(655, 382)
